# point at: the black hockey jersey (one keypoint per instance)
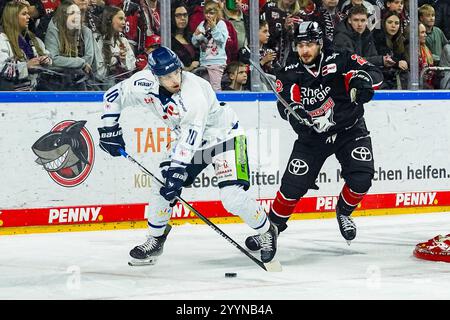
(324, 91)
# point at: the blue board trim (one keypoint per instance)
(24, 97)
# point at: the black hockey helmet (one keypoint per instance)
(309, 31)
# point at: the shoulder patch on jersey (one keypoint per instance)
(143, 82)
(329, 68)
(332, 56)
(291, 66)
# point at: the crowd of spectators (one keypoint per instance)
(56, 45)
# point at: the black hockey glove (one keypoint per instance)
(175, 176)
(305, 118)
(111, 140)
(360, 87)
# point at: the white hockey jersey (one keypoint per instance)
(194, 114)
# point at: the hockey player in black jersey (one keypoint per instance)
(327, 89)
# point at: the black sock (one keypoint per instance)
(343, 208)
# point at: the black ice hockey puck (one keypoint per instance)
(230, 275)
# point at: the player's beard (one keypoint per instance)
(310, 61)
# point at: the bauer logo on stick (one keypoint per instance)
(66, 153)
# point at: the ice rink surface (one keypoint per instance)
(317, 263)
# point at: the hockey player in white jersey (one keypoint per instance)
(206, 132)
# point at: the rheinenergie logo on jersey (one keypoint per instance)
(66, 153)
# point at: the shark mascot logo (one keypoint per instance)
(66, 153)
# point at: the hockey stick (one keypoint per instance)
(279, 97)
(273, 266)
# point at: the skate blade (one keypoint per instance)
(273, 266)
(142, 262)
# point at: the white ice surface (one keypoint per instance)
(317, 263)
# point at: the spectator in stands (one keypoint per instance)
(88, 17)
(267, 55)
(425, 59)
(436, 39)
(83, 5)
(21, 52)
(444, 82)
(196, 15)
(151, 8)
(445, 62)
(442, 21)
(394, 5)
(117, 53)
(329, 17)
(231, 46)
(35, 9)
(281, 15)
(93, 15)
(399, 7)
(308, 10)
(390, 41)
(48, 10)
(71, 47)
(142, 20)
(237, 74)
(353, 35)
(91, 19)
(151, 44)
(181, 37)
(240, 22)
(245, 6)
(372, 18)
(211, 36)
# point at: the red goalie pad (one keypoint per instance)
(436, 249)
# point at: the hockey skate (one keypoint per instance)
(346, 226)
(268, 242)
(148, 252)
(253, 243)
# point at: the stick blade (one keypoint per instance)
(273, 266)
